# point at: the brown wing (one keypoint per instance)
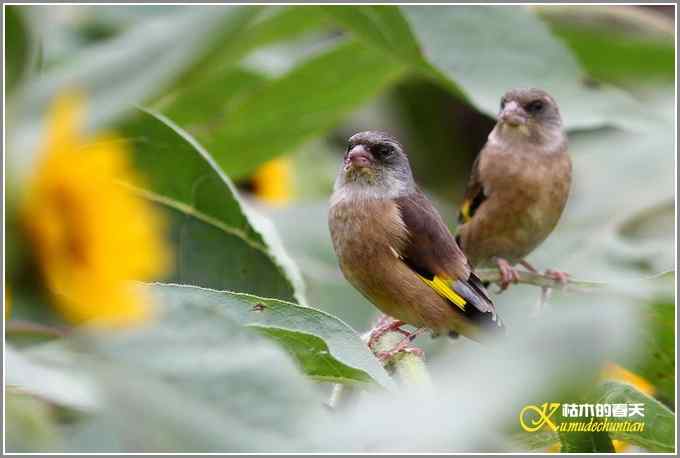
(474, 194)
(432, 252)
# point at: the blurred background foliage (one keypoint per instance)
(237, 118)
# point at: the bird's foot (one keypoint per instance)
(402, 347)
(561, 277)
(384, 325)
(508, 274)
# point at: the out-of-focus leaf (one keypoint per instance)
(218, 243)
(533, 364)
(380, 25)
(30, 424)
(17, 46)
(613, 251)
(617, 58)
(194, 380)
(324, 346)
(487, 51)
(287, 111)
(659, 431)
(585, 442)
(201, 105)
(109, 73)
(280, 23)
(200, 100)
(657, 363)
(467, 46)
(619, 44)
(49, 380)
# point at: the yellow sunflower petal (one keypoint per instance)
(91, 236)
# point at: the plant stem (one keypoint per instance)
(537, 279)
(408, 367)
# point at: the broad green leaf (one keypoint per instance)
(621, 45)
(218, 243)
(199, 101)
(271, 25)
(193, 380)
(380, 25)
(17, 46)
(109, 73)
(487, 51)
(324, 346)
(659, 432)
(484, 51)
(584, 442)
(51, 380)
(199, 105)
(291, 109)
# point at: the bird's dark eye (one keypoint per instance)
(502, 103)
(535, 106)
(382, 150)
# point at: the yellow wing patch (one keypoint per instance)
(442, 288)
(465, 210)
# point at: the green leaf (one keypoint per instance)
(657, 364)
(204, 103)
(324, 346)
(484, 51)
(52, 380)
(17, 46)
(192, 380)
(109, 73)
(380, 25)
(289, 110)
(202, 97)
(659, 432)
(487, 51)
(618, 45)
(218, 243)
(585, 442)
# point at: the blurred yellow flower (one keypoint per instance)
(273, 181)
(91, 236)
(615, 372)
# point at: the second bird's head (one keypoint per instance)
(376, 160)
(530, 113)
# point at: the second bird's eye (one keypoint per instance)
(535, 106)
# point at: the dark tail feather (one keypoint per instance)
(483, 310)
(480, 287)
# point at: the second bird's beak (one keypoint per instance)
(358, 158)
(513, 114)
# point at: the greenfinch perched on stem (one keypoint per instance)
(394, 247)
(518, 186)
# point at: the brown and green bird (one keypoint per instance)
(518, 187)
(394, 247)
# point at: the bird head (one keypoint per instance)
(376, 159)
(530, 112)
